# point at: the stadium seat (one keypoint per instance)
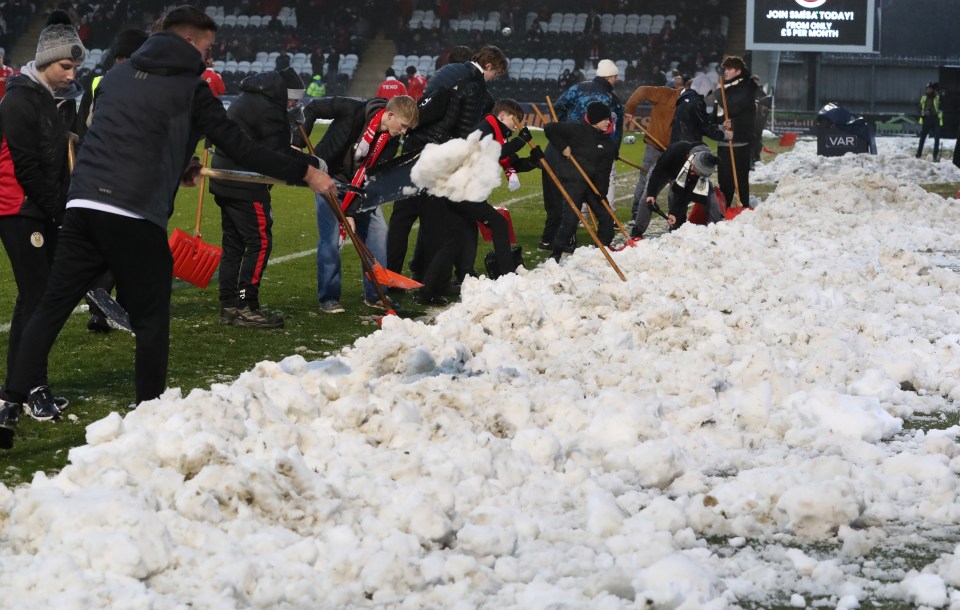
(262, 56)
(230, 66)
(454, 24)
(256, 21)
(230, 20)
(531, 17)
(218, 65)
(243, 21)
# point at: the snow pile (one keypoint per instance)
(726, 426)
(895, 159)
(460, 169)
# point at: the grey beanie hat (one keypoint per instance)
(59, 42)
(702, 161)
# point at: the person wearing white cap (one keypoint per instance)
(245, 212)
(5, 72)
(572, 106)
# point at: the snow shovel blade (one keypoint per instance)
(110, 308)
(734, 212)
(392, 279)
(389, 182)
(193, 260)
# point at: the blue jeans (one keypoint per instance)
(371, 228)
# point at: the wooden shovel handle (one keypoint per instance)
(202, 186)
(733, 164)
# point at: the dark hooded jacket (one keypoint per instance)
(151, 112)
(461, 93)
(261, 112)
(667, 170)
(350, 118)
(593, 149)
(33, 154)
(741, 94)
(690, 122)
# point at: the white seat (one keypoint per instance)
(412, 60)
(554, 28)
(531, 17)
(566, 28)
(400, 58)
(272, 56)
(300, 56)
(619, 27)
(529, 62)
(262, 56)
(243, 21)
(218, 19)
(211, 11)
(454, 24)
(477, 25)
(284, 11)
(230, 66)
(672, 19)
(633, 19)
(643, 28)
(417, 14)
(555, 63)
(219, 65)
(257, 66)
(256, 21)
(569, 18)
(542, 63)
(491, 25)
(555, 18)
(619, 18)
(243, 66)
(568, 64)
(415, 23)
(621, 65)
(230, 20)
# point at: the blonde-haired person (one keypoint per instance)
(361, 135)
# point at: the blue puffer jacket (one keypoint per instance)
(572, 105)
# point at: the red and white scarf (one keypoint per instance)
(375, 147)
(498, 134)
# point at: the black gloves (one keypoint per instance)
(536, 154)
(525, 135)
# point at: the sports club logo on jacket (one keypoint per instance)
(811, 3)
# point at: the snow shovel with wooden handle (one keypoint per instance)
(194, 260)
(736, 206)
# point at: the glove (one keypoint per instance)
(191, 174)
(536, 154)
(525, 135)
(318, 163)
(363, 147)
(513, 182)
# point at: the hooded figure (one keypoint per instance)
(688, 168)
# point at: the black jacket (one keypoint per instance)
(594, 150)
(690, 122)
(666, 170)
(151, 111)
(34, 152)
(350, 119)
(461, 92)
(741, 95)
(261, 112)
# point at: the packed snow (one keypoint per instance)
(763, 413)
(465, 169)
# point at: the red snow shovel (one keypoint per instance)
(193, 260)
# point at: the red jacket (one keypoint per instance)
(415, 85)
(216, 83)
(391, 88)
(5, 73)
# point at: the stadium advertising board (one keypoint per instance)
(811, 25)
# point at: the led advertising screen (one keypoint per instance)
(836, 26)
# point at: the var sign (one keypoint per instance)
(834, 142)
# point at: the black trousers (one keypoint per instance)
(930, 127)
(247, 242)
(741, 157)
(554, 205)
(137, 253)
(405, 213)
(472, 212)
(30, 244)
(578, 191)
